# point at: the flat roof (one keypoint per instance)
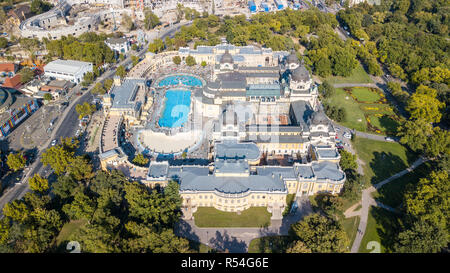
(66, 66)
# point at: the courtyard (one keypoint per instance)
(252, 217)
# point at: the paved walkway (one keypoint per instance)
(237, 240)
(368, 200)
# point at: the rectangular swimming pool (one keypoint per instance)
(176, 109)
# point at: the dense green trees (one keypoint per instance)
(348, 160)
(88, 47)
(98, 89)
(190, 61)
(121, 72)
(39, 6)
(26, 75)
(151, 20)
(15, 161)
(85, 109)
(157, 46)
(140, 160)
(326, 90)
(320, 234)
(38, 184)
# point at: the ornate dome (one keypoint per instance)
(319, 117)
(300, 74)
(292, 58)
(226, 58)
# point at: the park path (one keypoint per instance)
(237, 240)
(367, 201)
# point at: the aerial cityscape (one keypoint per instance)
(224, 126)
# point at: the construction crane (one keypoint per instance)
(114, 19)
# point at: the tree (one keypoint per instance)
(121, 71)
(134, 60)
(38, 184)
(85, 109)
(438, 144)
(64, 187)
(320, 234)
(98, 89)
(58, 157)
(151, 20)
(428, 201)
(330, 204)
(348, 160)
(298, 247)
(415, 133)
(203, 64)
(140, 160)
(82, 207)
(127, 22)
(39, 6)
(3, 41)
(326, 89)
(190, 61)
(88, 78)
(26, 75)
(176, 60)
(396, 90)
(422, 237)
(107, 84)
(48, 97)
(80, 168)
(423, 104)
(157, 46)
(16, 161)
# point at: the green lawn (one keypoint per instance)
(364, 94)
(269, 244)
(382, 159)
(359, 75)
(392, 193)
(67, 230)
(385, 123)
(354, 115)
(351, 226)
(252, 217)
(381, 228)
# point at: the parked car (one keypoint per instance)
(347, 135)
(54, 142)
(389, 139)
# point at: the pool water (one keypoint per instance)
(183, 79)
(176, 109)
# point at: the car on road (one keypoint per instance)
(389, 139)
(84, 89)
(347, 135)
(337, 129)
(54, 142)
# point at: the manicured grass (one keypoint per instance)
(385, 123)
(382, 159)
(354, 115)
(269, 244)
(381, 228)
(392, 193)
(364, 94)
(350, 226)
(252, 217)
(67, 230)
(359, 75)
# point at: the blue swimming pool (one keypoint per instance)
(176, 109)
(183, 79)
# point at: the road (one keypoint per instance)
(68, 123)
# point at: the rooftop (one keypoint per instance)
(66, 66)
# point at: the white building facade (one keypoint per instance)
(69, 70)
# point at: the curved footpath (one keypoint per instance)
(368, 200)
